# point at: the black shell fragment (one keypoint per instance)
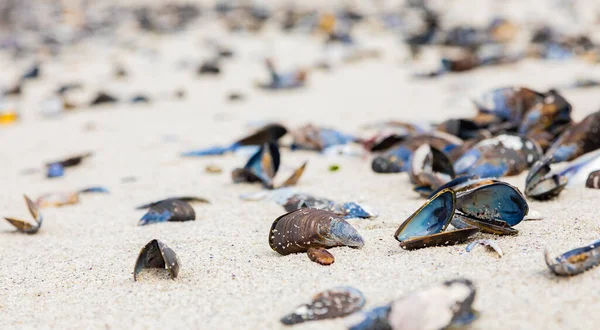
(156, 254)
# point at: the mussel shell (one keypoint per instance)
(71, 161)
(57, 199)
(103, 98)
(294, 177)
(461, 183)
(581, 138)
(462, 128)
(26, 227)
(575, 261)
(461, 221)
(299, 230)
(499, 156)
(541, 184)
(168, 210)
(431, 218)
(440, 239)
(497, 201)
(268, 133)
(593, 180)
(552, 115)
(262, 166)
(397, 159)
(299, 201)
(311, 137)
(508, 103)
(188, 199)
(156, 254)
(443, 306)
(320, 256)
(337, 302)
(430, 167)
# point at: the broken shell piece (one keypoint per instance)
(320, 256)
(486, 242)
(576, 261)
(168, 210)
(156, 254)
(214, 169)
(337, 302)
(26, 227)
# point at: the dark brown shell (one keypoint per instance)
(320, 256)
(300, 230)
(593, 181)
(440, 239)
(156, 254)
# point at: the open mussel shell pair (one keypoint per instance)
(580, 139)
(28, 227)
(491, 208)
(263, 166)
(336, 302)
(575, 261)
(426, 226)
(502, 155)
(170, 209)
(444, 306)
(430, 168)
(157, 254)
(541, 183)
(308, 230)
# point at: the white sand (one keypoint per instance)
(77, 271)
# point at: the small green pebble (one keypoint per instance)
(334, 167)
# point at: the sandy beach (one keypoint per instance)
(77, 272)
